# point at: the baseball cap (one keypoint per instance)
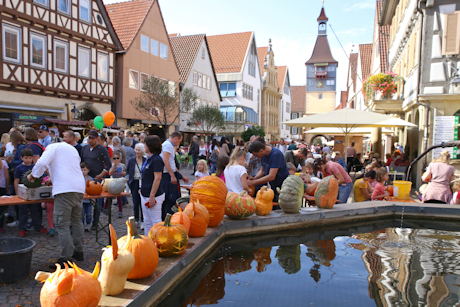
(93, 134)
(44, 128)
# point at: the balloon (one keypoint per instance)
(109, 118)
(98, 122)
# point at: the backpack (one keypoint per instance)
(213, 158)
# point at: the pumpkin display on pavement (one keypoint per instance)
(144, 250)
(199, 218)
(171, 239)
(211, 191)
(262, 257)
(71, 287)
(181, 218)
(327, 192)
(264, 201)
(239, 206)
(291, 194)
(116, 265)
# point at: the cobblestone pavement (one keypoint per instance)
(26, 292)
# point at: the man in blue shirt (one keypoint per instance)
(43, 135)
(274, 169)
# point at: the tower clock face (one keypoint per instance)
(319, 84)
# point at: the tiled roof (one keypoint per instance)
(365, 53)
(127, 18)
(299, 98)
(185, 49)
(352, 69)
(228, 51)
(322, 15)
(281, 70)
(322, 52)
(262, 52)
(383, 38)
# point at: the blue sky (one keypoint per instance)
(293, 30)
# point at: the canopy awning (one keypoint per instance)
(335, 131)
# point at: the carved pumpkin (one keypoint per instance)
(93, 188)
(199, 218)
(211, 288)
(144, 250)
(390, 189)
(291, 194)
(289, 258)
(181, 218)
(171, 239)
(264, 201)
(262, 256)
(71, 287)
(116, 265)
(239, 206)
(238, 262)
(327, 192)
(211, 191)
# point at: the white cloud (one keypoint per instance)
(361, 6)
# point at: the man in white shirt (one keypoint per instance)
(282, 146)
(63, 163)
(326, 149)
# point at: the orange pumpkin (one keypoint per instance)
(93, 188)
(239, 206)
(264, 201)
(182, 219)
(262, 256)
(199, 218)
(211, 191)
(312, 193)
(171, 239)
(253, 190)
(144, 250)
(71, 287)
(326, 192)
(390, 189)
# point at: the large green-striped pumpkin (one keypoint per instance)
(291, 194)
(239, 206)
(211, 191)
(327, 192)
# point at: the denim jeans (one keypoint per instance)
(34, 211)
(195, 160)
(136, 200)
(213, 167)
(344, 192)
(86, 213)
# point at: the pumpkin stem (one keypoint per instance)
(87, 182)
(113, 238)
(243, 192)
(95, 273)
(132, 227)
(167, 222)
(180, 210)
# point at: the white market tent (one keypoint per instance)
(336, 131)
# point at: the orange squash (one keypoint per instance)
(171, 239)
(327, 192)
(239, 206)
(390, 189)
(211, 191)
(264, 201)
(71, 287)
(182, 219)
(253, 190)
(199, 218)
(144, 250)
(93, 188)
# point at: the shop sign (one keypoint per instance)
(27, 117)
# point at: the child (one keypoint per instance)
(380, 190)
(201, 169)
(308, 186)
(118, 170)
(4, 179)
(87, 208)
(49, 213)
(27, 156)
(291, 168)
(310, 171)
(221, 165)
(235, 173)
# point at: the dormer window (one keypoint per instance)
(321, 70)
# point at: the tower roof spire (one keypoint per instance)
(322, 15)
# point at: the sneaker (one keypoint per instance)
(51, 234)
(13, 224)
(60, 261)
(2, 230)
(44, 231)
(30, 226)
(78, 256)
(120, 215)
(87, 227)
(22, 234)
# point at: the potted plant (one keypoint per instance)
(381, 86)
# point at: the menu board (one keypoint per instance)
(445, 132)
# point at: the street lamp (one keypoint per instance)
(75, 112)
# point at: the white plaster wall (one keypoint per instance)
(402, 29)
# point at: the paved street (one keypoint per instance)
(26, 292)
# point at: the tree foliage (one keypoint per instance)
(159, 100)
(256, 130)
(208, 119)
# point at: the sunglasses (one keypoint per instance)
(116, 158)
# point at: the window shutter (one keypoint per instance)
(451, 38)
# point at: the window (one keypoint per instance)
(154, 47)
(320, 96)
(209, 83)
(85, 10)
(144, 43)
(286, 89)
(330, 82)
(172, 88)
(63, 6)
(144, 81)
(37, 50)
(252, 62)
(133, 79)
(294, 115)
(228, 89)
(311, 83)
(11, 44)
(247, 92)
(202, 53)
(294, 130)
(103, 67)
(288, 107)
(164, 51)
(61, 56)
(451, 40)
(330, 68)
(42, 2)
(195, 78)
(200, 80)
(84, 59)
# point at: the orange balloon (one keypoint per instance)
(109, 118)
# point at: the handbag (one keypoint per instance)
(213, 158)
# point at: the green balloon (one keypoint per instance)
(98, 122)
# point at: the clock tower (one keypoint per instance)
(321, 72)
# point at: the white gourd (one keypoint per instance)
(117, 186)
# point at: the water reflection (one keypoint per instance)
(262, 256)
(321, 252)
(289, 258)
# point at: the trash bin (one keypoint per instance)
(15, 258)
(401, 189)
